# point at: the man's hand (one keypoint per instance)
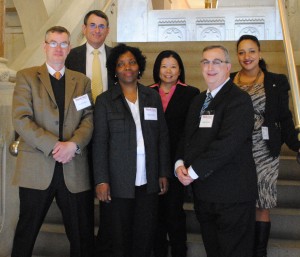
(163, 185)
(183, 175)
(103, 192)
(64, 151)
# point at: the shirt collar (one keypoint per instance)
(52, 71)
(216, 90)
(90, 49)
(177, 83)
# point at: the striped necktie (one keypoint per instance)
(206, 102)
(97, 86)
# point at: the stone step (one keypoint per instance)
(276, 247)
(285, 222)
(288, 193)
(289, 168)
(52, 242)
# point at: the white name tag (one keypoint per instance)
(206, 121)
(82, 102)
(150, 113)
(265, 133)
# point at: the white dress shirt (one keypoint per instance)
(141, 178)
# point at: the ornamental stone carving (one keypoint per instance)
(6, 74)
(251, 25)
(172, 30)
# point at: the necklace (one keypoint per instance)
(248, 83)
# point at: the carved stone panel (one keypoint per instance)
(210, 29)
(172, 30)
(250, 25)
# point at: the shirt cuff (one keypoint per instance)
(192, 173)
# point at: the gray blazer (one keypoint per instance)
(35, 118)
(114, 142)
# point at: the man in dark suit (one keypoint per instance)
(53, 115)
(95, 29)
(216, 157)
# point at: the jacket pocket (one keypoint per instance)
(116, 122)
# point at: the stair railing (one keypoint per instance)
(294, 82)
(2, 181)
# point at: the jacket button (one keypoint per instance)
(56, 122)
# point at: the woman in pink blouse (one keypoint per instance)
(176, 96)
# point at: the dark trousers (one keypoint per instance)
(227, 229)
(103, 243)
(171, 222)
(134, 223)
(77, 213)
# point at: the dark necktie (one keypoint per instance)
(206, 102)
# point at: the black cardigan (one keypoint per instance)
(278, 117)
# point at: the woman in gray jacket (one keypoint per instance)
(130, 153)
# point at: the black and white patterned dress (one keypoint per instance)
(267, 167)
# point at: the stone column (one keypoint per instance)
(2, 15)
(127, 32)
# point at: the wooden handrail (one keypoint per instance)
(2, 27)
(109, 3)
(294, 82)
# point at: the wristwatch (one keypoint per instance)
(78, 150)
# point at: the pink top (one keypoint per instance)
(165, 98)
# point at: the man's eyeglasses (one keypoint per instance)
(54, 44)
(94, 26)
(215, 62)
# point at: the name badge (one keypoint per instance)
(265, 133)
(150, 113)
(207, 119)
(82, 102)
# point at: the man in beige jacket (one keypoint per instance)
(52, 114)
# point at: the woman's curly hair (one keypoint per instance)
(116, 52)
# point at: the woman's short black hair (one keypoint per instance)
(262, 64)
(157, 63)
(117, 51)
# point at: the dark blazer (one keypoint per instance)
(114, 142)
(176, 112)
(221, 155)
(76, 60)
(278, 117)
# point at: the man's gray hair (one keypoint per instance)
(224, 49)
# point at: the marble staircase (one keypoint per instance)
(285, 233)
